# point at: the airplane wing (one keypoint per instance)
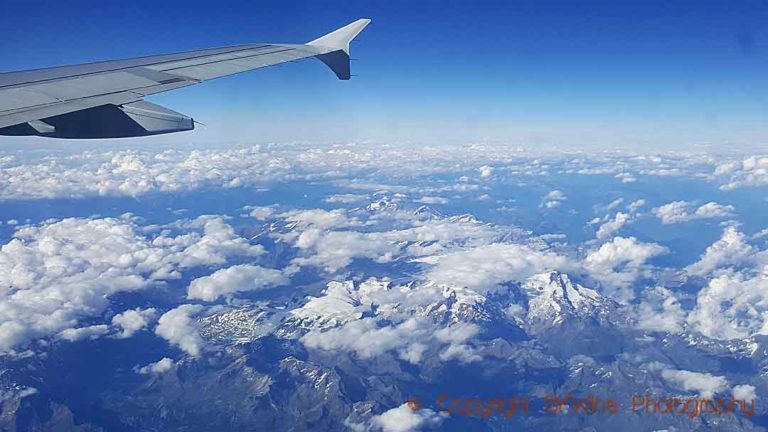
(104, 100)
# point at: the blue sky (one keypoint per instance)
(630, 74)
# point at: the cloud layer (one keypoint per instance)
(55, 274)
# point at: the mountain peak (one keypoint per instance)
(554, 298)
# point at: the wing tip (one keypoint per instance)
(340, 38)
(337, 45)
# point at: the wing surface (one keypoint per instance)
(44, 93)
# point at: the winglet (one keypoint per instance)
(340, 39)
(337, 42)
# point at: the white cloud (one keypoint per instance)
(553, 199)
(339, 303)
(178, 327)
(460, 352)
(238, 278)
(660, 311)
(732, 306)
(485, 171)
(161, 366)
(368, 337)
(482, 268)
(734, 303)
(674, 212)
(613, 204)
(731, 249)
(626, 177)
(619, 262)
(387, 312)
(432, 200)
(635, 205)
(54, 274)
(345, 198)
(763, 233)
(335, 249)
(404, 419)
(260, 213)
(752, 171)
(456, 336)
(706, 385)
(608, 228)
(680, 211)
(134, 173)
(319, 219)
(133, 320)
(744, 392)
(90, 332)
(714, 210)
(217, 244)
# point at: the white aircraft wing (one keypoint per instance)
(104, 100)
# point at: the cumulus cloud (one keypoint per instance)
(131, 321)
(134, 173)
(345, 198)
(680, 211)
(660, 311)
(159, 367)
(734, 303)
(706, 385)
(626, 177)
(90, 332)
(260, 212)
(613, 204)
(751, 171)
(674, 212)
(339, 303)
(319, 219)
(732, 306)
(714, 210)
(635, 205)
(608, 228)
(432, 200)
(404, 419)
(333, 246)
(217, 244)
(56, 273)
(387, 311)
(368, 337)
(178, 327)
(763, 233)
(238, 278)
(485, 171)
(618, 263)
(364, 337)
(336, 249)
(484, 267)
(744, 392)
(553, 199)
(731, 249)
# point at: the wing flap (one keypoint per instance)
(45, 111)
(140, 118)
